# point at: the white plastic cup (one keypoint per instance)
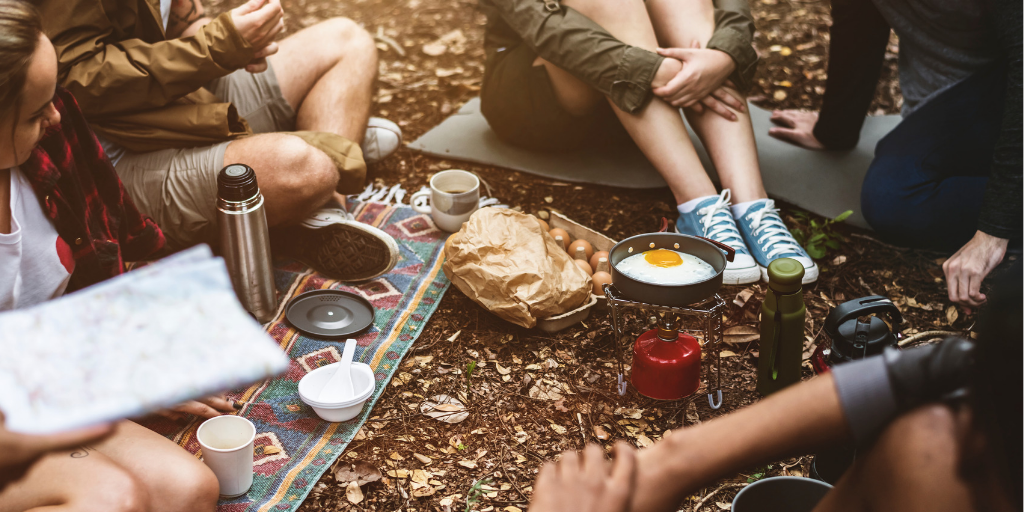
(227, 443)
(313, 383)
(453, 196)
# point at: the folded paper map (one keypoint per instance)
(143, 341)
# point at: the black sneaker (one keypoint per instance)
(337, 246)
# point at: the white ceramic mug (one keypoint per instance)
(227, 443)
(453, 196)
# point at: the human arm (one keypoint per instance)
(858, 38)
(853, 402)
(188, 16)
(586, 482)
(110, 74)
(207, 407)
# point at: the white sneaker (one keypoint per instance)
(339, 247)
(713, 219)
(382, 139)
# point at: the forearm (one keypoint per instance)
(797, 420)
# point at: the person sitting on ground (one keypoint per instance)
(562, 75)
(948, 177)
(923, 445)
(66, 222)
(175, 96)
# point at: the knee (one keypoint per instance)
(195, 487)
(350, 38)
(925, 433)
(309, 174)
(883, 202)
(118, 491)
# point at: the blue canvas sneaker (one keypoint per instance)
(769, 239)
(713, 219)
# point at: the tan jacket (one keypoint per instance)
(138, 89)
(146, 93)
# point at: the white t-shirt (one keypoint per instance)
(35, 263)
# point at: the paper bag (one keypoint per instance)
(504, 261)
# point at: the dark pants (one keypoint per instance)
(924, 188)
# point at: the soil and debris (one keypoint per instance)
(479, 404)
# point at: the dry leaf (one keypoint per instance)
(423, 458)
(353, 493)
(839, 260)
(779, 95)
(396, 456)
(271, 450)
(502, 370)
(444, 408)
(601, 433)
(512, 509)
(435, 49)
(723, 506)
(739, 334)
(728, 353)
(742, 297)
(445, 73)
(419, 476)
(951, 314)
(399, 473)
(471, 464)
(455, 336)
(558, 429)
(360, 472)
(643, 441)
(634, 414)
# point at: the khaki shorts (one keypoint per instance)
(178, 187)
(519, 103)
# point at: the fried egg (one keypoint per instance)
(667, 267)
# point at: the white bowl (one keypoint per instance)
(313, 383)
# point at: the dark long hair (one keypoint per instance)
(20, 28)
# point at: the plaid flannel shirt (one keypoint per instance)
(80, 192)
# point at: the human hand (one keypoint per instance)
(259, 22)
(209, 407)
(966, 269)
(796, 127)
(586, 482)
(703, 72)
(720, 100)
(19, 451)
(668, 69)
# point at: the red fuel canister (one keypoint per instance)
(666, 364)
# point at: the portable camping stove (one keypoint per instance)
(702, 321)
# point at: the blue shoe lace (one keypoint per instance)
(718, 224)
(770, 234)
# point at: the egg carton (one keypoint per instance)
(556, 323)
(577, 231)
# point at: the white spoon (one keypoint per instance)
(340, 387)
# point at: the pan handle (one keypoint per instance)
(730, 253)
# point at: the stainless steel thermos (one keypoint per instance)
(245, 240)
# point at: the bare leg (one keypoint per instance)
(658, 129)
(730, 144)
(326, 73)
(161, 477)
(295, 178)
(912, 467)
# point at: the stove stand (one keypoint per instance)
(702, 321)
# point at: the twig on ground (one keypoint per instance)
(712, 493)
(388, 41)
(925, 336)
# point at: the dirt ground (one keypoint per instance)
(532, 395)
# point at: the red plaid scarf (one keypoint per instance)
(81, 193)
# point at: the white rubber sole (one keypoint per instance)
(741, 275)
(810, 274)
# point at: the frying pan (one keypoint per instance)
(715, 253)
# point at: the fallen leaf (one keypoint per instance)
(643, 441)
(419, 476)
(839, 260)
(423, 458)
(728, 353)
(360, 472)
(501, 369)
(742, 297)
(353, 493)
(423, 492)
(951, 314)
(471, 464)
(629, 413)
(601, 433)
(447, 501)
(444, 408)
(558, 429)
(723, 506)
(396, 456)
(560, 406)
(445, 73)
(779, 95)
(739, 334)
(271, 450)
(435, 49)
(512, 509)
(455, 336)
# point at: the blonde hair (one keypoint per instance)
(20, 28)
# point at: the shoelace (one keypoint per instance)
(775, 238)
(718, 222)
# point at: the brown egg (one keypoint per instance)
(557, 232)
(600, 279)
(587, 248)
(584, 266)
(596, 257)
(543, 224)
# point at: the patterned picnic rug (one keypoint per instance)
(404, 299)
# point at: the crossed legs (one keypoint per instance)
(658, 129)
(326, 73)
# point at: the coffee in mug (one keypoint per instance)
(453, 197)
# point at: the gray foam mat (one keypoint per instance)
(823, 182)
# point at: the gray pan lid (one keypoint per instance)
(330, 313)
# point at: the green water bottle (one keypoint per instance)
(782, 327)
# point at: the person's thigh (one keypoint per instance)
(911, 467)
(308, 54)
(174, 479)
(258, 99)
(178, 189)
(680, 23)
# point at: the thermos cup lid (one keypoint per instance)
(785, 275)
(237, 182)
